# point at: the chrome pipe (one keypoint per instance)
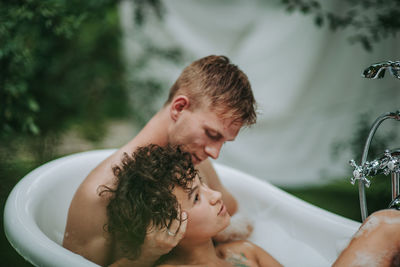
(395, 185)
(361, 183)
(363, 200)
(375, 125)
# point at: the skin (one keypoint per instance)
(207, 215)
(201, 131)
(375, 244)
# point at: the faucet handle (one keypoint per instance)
(395, 204)
(359, 174)
(390, 163)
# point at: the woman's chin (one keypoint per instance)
(228, 222)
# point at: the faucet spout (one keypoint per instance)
(377, 70)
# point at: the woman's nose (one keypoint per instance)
(215, 196)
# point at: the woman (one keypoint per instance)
(207, 215)
(152, 187)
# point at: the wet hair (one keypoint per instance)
(220, 84)
(142, 199)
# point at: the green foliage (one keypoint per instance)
(142, 8)
(58, 60)
(61, 63)
(341, 197)
(368, 20)
(144, 90)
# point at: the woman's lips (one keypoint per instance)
(222, 211)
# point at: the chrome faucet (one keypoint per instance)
(377, 70)
(389, 163)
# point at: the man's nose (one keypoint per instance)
(213, 149)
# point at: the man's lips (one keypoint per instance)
(196, 158)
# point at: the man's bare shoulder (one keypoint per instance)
(87, 216)
(88, 198)
(87, 211)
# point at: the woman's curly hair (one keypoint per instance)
(142, 199)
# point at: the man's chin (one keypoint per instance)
(196, 160)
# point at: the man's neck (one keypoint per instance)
(154, 132)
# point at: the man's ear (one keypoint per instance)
(179, 103)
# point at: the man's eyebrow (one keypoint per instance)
(192, 191)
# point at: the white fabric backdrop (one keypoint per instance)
(306, 80)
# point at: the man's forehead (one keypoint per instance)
(222, 112)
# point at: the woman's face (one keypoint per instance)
(207, 214)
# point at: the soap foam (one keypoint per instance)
(368, 259)
(368, 226)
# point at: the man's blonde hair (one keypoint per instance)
(214, 81)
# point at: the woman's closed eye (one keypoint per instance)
(194, 194)
(196, 198)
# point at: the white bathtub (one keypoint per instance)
(293, 231)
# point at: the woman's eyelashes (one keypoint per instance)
(196, 198)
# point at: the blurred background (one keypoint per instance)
(83, 75)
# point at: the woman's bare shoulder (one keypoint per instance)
(169, 265)
(246, 253)
(240, 247)
(239, 244)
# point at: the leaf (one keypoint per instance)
(33, 105)
(319, 20)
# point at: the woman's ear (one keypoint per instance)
(179, 103)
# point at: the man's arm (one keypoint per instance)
(142, 261)
(208, 173)
(84, 233)
(376, 242)
(156, 244)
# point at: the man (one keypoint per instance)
(207, 106)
